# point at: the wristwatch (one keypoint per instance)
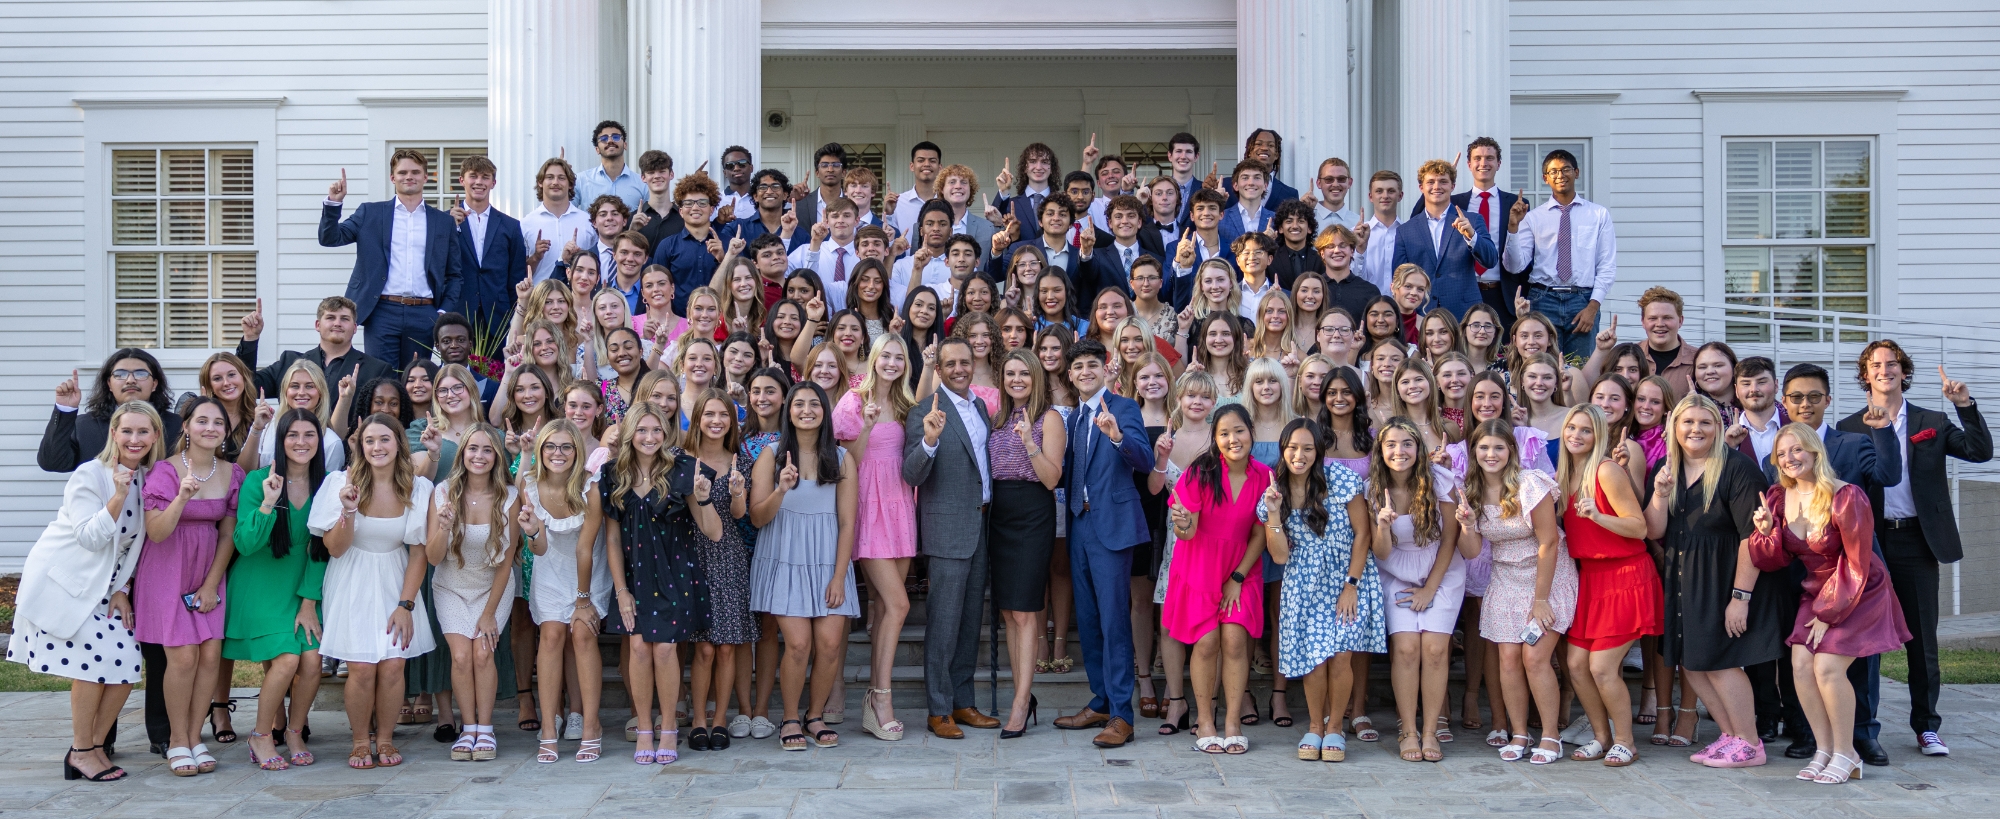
(1740, 594)
(582, 595)
(1353, 581)
(1237, 576)
(407, 605)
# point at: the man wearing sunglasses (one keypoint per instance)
(611, 175)
(738, 200)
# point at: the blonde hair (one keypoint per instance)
(572, 487)
(361, 474)
(1437, 167)
(625, 468)
(498, 545)
(1477, 478)
(1576, 476)
(1260, 345)
(900, 398)
(538, 298)
(1557, 395)
(109, 455)
(1128, 376)
(318, 376)
(464, 377)
(1819, 506)
(1265, 368)
(1231, 303)
(1718, 453)
(1433, 411)
(1304, 404)
(598, 330)
(1199, 382)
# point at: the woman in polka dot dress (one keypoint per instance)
(71, 610)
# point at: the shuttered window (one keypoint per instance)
(183, 236)
(1526, 169)
(1797, 230)
(442, 189)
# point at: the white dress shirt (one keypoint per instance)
(937, 275)
(1097, 209)
(406, 252)
(1372, 265)
(475, 222)
(1761, 440)
(908, 205)
(975, 429)
(1897, 501)
(1493, 223)
(557, 229)
(1593, 246)
(1345, 217)
(823, 262)
(1253, 297)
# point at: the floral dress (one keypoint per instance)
(1309, 630)
(1516, 556)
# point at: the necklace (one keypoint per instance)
(213, 464)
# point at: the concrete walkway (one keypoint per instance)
(1048, 773)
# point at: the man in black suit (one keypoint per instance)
(657, 217)
(1110, 262)
(1054, 218)
(1914, 522)
(407, 268)
(1872, 461)
(493, 256)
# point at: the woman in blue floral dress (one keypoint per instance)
(1311, 514)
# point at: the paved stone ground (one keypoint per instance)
(1048, 773)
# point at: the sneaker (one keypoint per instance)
(341, 670)
(573, 727)
(1716, 750)
(327, 667)
(1578, 731)
(739, 726)
(1745, 754)
(1930, 745)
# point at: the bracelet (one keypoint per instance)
(705, 502)
(1160, 471)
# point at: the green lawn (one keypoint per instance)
(17, 677)
(1958, 666)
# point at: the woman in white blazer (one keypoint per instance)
(72, 612)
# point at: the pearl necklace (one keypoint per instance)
(189, 467)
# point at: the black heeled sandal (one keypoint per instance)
(1171, 728)
(71, 773)
(222, 735)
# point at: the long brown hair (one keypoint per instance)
(1038, 393)
(1477, 479)
(498, 544)
(692, 436)
(1425, 521)
(361, 474)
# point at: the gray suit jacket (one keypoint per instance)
(981, 230)
(949, 522)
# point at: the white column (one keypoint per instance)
(1291, 77)
(705, 88)
(542, 79)
(1455, 83)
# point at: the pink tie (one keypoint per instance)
(1484, 197)
(840, 264)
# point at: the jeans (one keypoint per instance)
(1562, 306)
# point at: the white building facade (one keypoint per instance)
(165, 160)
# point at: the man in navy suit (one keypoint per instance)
(1251, 207)
(492, 256)
(1107, 447)
(407, 268)
(1054, 219)
(1871, 460)
(1441, 240)
(1914, 523)
(1488, 203)
(1040, 174)
(1110, 262)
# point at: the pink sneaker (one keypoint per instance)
(1744, 755)
(1715, 750)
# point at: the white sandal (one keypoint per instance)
(1496, 738)
(1210, 745)
(1619, 756)
(1364, 728)
(1544, 756)
(174, 755)
(203, 760)
(461, 751)
(1231, 745)
(1513, 753)
(484, 748)
(1588, 752)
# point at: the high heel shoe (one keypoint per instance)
(72, 773)
(1031, 720)
(1818, 763)
(890, 731)
(1171, 728)
(1838, 770)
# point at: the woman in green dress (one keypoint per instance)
(273, 617)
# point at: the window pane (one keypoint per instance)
(136, 275)
(1846, 269)
(236, 276)
(135, 222)
(187, 275)
(135, 173)
(1796, 215)
(1746, 270)
(1847, 215)
(1748, 215)
(1847, 164)
(453, 167)
(233, 173)
(187, 222)
(139, 325)
(187, 171)
(1797, 165)
(234, 221)
(227, 324)
(1747, 165)
(1794, 269)
(1522, 173)
(187, 325)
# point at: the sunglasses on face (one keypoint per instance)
(736, 164)
(608, 139)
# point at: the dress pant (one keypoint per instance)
(951, 636)
(1913, 571)
(397, 332)
(1102, 580)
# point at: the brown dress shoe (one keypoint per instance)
(1080, 720)
(1115, 734)
(971, 718)
(945, 728)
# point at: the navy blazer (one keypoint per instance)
(1232, 226)
(1453, 283)
(1973, 444)
(1509, 282)
(753, 227)
(1096, 471)
(370, 227)
(488, 287)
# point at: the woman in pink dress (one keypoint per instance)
(190, 501)
(868, 421)
(1220, 553)
(1849, 609)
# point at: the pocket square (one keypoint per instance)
(1923, 435)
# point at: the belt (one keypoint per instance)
(1560, 288)
(1489, 285)
(1900, 523)
(409, 300)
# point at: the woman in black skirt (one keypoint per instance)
(1024, 452)
(1722, 613)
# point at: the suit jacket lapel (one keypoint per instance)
(492, 234)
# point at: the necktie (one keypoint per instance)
(1128, 260)
(1035, 199)
(1562, 245)
(1076, 235)
(1485, 199)
(840, 264)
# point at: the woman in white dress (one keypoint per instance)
(371, 518)
(572, 583)
(73, 608)
(472, 547)
(1423, 582)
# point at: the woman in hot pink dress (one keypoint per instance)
(1219, 554)
(868, 421)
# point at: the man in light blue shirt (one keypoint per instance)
(611, 175)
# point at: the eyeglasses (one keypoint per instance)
(610, 138)
(1563, 170)
(736, 164)
(696, 203)
(1810, 399)
(827, 166)
(1481, 325)
(1335, 180)
(455, 389)
(131, 375)
(770, 186)
(559, 449)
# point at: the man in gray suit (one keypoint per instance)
(944, 456)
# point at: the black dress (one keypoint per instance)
(656, 535)
(1701, 549)
(1146, 557)
(725, 565)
